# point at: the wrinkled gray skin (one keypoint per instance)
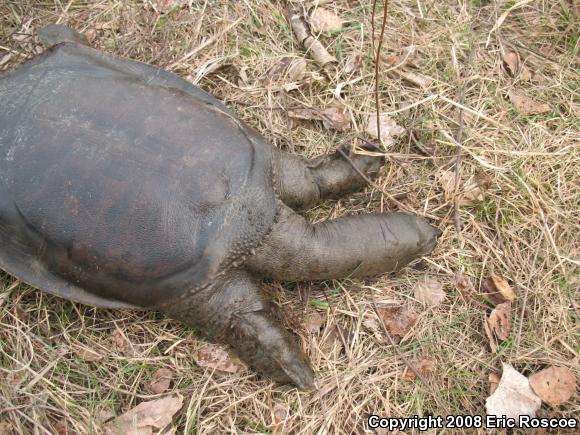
(124, 186)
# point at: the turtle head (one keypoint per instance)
(54, 34)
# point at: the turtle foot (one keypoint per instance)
(234, 310)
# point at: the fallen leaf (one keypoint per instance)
(469, 193)
(332, 117)
(398, 319)
(489, 334)
(511, 61)
(472, 194)
(500, 321)
(526, 105)
(554, 385)
(513, 396)
(142, 419)
(374, 326)
(513, 65)
(61, 428)
(407, 56)
(215, 357)
(464, 285)
(429, 292)
(447, 181)
(474, 189)
(389, 128)
(88, 354)
(160, 381)
(121, 343)
(494, 379)
(497, 289)
(334, 340)
(5, 428)
(313, 322)
(287, 70)
(279, 417)
(297, 69)
(414, 78)
(424, 366)
(353, 64)
(324, 20)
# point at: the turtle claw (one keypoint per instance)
(266, 346)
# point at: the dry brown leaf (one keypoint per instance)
(464, 285)
(526, 105)
(287, 70)
(215, 357)
(429, 292)
(424, 366)
(331, 343)
(297, 69)
(353, 64)
(88, 354)
(279, 417)
(389, 128)
(121, 343)
(160, 381)
(332, 117)
(513, 396)
(489, 334)
(61, 427)
(398, 319)
(494, 379)
(142, 419)
(472, 194)
(447, 181)
(554, 385)
(414, 78)
(324, 20)
(514, 66)
(313, 322)
(407, 57)
(374, 326)
(500, 321)
(497, 289)
(6, 428)
(468, 194)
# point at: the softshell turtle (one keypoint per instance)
(125, 186)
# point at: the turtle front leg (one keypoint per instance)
(304, 183)
(352, 246)
(235, 311)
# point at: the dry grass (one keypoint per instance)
(526, 228)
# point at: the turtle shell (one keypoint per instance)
(121, 184)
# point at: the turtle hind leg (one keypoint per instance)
(54, 34)
(304, 183)
(351, 246)
(235, 311)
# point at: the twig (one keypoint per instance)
(368, 180)
(378, 61)
(458, 139)
(302, 32)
